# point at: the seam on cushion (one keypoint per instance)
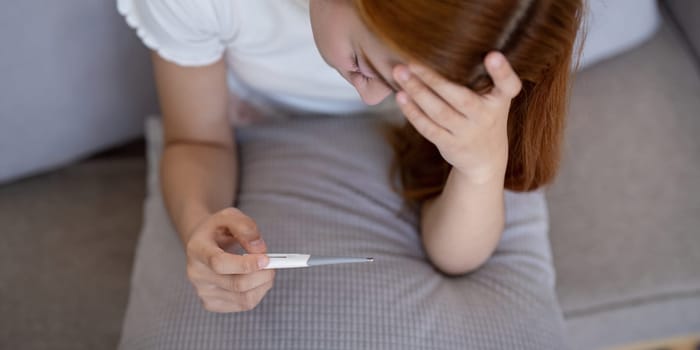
(125, 8)
(632, 302)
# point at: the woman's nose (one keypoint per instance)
(373, 97)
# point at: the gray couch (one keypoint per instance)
(625, 230)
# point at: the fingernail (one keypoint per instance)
(262, 261)
(496, 61)
(257, 242)
(401, 97)
(403, 74)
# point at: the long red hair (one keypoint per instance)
(453, 37)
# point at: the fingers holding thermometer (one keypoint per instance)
(227, 282)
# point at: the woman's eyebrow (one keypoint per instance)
(392, 84)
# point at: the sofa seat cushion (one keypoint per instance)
(624, 209)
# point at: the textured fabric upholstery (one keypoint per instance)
(320, 186)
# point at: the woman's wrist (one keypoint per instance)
(461, 226)
(196, 183)
(481, 177)
(194, 216)
(187, 216)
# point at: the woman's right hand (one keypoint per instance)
(227, 282)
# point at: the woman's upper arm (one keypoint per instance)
(193, 102)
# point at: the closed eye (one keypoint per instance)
(374, 71)
(356, 68)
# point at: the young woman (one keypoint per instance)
(482, 84)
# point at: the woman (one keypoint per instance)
(482, 84)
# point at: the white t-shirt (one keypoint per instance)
(272, 59)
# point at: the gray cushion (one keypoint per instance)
(75, 80)
(320, 186)
(616, 26)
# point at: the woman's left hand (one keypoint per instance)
(469, 130)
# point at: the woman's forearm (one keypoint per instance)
(461, 227)
(197, 179)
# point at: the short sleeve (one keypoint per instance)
(186, 32)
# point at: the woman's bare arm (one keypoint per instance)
(462, 226)
(198, 167)
(198, 181)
